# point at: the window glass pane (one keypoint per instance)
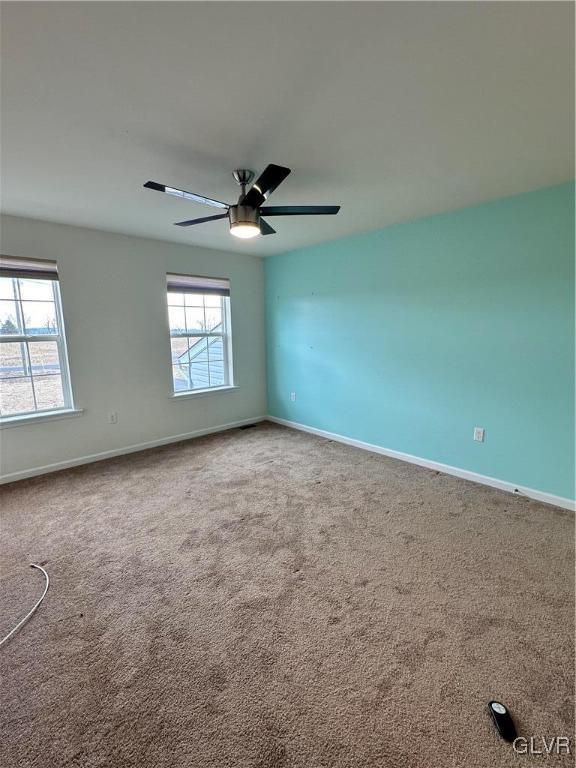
(13, 360)
(198, 349)
(213, 319)
(210, 300)
(175, 299)
(49, 392)
(181, 376)
(8, 318)
(39, 317)
(179, 349)
(6, 288)
(193, 342)
(194, 319)
(44, 357)
(216, 348)
(217, 378)
(16, 396)
(177, 319)
(194, 299)
(36, 290)
(199, 375)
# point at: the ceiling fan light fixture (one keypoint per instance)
(244, 230)
(244, 221)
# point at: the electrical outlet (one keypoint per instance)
(293, 396)
(479, 434)
(113, 417)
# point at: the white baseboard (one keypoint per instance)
(12, 477)
(465, 474)
(504, 485)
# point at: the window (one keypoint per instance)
(34, 374)
(199, 319)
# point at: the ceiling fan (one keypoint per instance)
(245, 216)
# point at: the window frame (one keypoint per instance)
(225, 334)
(25, 338)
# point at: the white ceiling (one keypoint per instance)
(393, 110)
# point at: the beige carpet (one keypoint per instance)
(264, 598)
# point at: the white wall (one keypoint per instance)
(114, 302)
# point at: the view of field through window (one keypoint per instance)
(30, 347)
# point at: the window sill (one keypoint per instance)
(199, 392)
(35, 418)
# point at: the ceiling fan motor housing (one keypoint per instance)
(243, 214)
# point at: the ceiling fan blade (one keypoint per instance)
(270, 178)
(300, 210)
(191, 222)
(185, 195)
(265, 228)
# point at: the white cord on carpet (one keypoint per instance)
(29, 614)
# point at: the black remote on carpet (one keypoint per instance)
(502, 720)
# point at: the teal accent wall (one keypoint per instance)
(410, 336)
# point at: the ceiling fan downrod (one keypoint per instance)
(243, 177)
